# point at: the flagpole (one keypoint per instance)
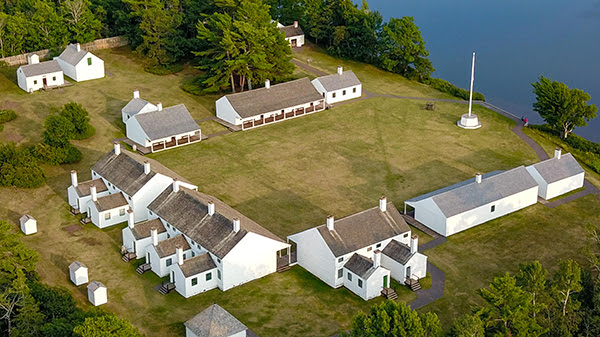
(472, 80)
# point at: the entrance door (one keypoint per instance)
(147, 257)
(408, 272)
(385, 281)
(294, 43)
(134, 246)
(45, 82)
(172, 276)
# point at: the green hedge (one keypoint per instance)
(449, 88)
(7, 116)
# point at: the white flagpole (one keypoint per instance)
(472, 79)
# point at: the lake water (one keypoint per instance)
(516, 41)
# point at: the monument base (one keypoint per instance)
(469, 122)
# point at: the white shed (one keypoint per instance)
(80, 64)
(78, 273)
(293, 34)
(35, 75)
(558, 175)
(28, 224)
(342, 86)
(97, 293)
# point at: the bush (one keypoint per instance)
(449, 88)
(7, 116)
(78, 116)
(19, 168)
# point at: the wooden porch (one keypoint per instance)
(292, 113)
(413, 284)
(164, 145)
(143, 268)
(166, 288)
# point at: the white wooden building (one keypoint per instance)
(475, 201)
(97, 293)
(28, 224)
(37, 75)
(78, 273)
(293, 34)
(165, 254)
(215, 321)
(79, 194)
(558, 175)
(270, 104)
(80, 64)
(108, 210)
(135, 106)
(361, 251)
(341, 86)
(138, 237)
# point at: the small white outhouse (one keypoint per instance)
(97, 293)
(28, 224)
(78, 273)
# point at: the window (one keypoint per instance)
(107, 216)
(184, 256)
(128, 197)
(344, 93)
(209, 276)
(378, 245)
(53, 78)
(218, 260)
(193, 254)
(169, 262)
(369, 249)
(122, 211)
(406, 235)
(218, 274)
(333, 95)
(354, 90)
(349, 277)
(493, 208)
(150, 211)
(89, 61)
(341, 259)
(340, 273)
(194, 281)
(34, 81)
(360, 283)
(168, 236)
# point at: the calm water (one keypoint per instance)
(515, 40)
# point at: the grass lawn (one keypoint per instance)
(288, 177)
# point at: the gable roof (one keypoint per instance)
(469, 194)
(136, 105)
(197, 265)
(169, 246)
(291, 31)
(110, 201)
(72, 56)
(25, 218)
(187, 210)
(277, 97)
(95, 285)
(362, 229)
(76, 265)
(215, 321)
(126, 171)
(336, 81)
(168, 122)
(397, 251)
(41, 68)
(360, 265)
(83, 188)
(553, 170)
(143, 229)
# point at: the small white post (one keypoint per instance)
(472, 80)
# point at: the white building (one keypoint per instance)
(270, 104)
(80, 64)
(137, 237)
(470, 203)
(78, 273)
(28, 224)
(97, 293)
(215, 321)
(362, 251)
(135, 106)
(293, 34)
(206, 229)
(342, 86)
(558, 175)
(108, 210)
(79, 194)
(35, 75)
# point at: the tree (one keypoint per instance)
(402, 49)
(562, 108)
(106, 326)
(566, 282)
(82, 24)
(78, 116)
(532, 279)
(467, 326)
(51, 29)
(59, 131)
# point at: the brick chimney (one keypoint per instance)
(93, 193)
(383, 204)
(211, 208)
(74, 178)
(414, 244)
(330, 222)
(236, 225)
(557, 153)
(131, 218)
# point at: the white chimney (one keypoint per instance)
(376, 259)
(295, 24)
(136, 93)
(383, 204)
(93, 193)
(154, 234)
(130, 219)
(117, 148)
(179, 255)
(159, 106)
(211, 208)
(557, 153)
(74, 178)
(330, 221)
(146, 167)
(414, 244)
(78, 47)
(340, 70)
(236, 225)
(268, 84)
(478, 178)
(33, 59)
(175, 185)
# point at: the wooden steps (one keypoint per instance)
(143, 268)
(166, 288)
(284, 268)
(413, 284)
(128, 257)
(389, 293)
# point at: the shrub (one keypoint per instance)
(19, 168)
(78, 116)
(7, 115)
(449, 88)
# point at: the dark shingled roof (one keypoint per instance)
(83, 188)
(215, 322)
(126, 171)
(71, 55)
(362, 229)
(168, 247)
(41, 68)
(142, 230)
(187, 210)
(291, 31)
(110, 201)
(397, 251)
(198, 264)
(135, 105)
(469, 194)
(553, 170)
(336, 81)
(360, 265)
(278, 97)
(168, 122)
